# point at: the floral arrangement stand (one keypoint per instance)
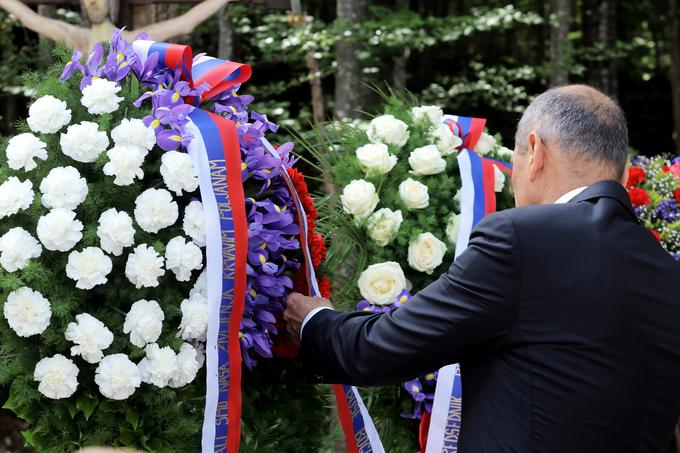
(114, 224)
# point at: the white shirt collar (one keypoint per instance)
(567, 197)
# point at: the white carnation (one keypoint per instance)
(389, 130)
(23, 149)
(499, 179)
(452, 227)
(27, 312)
(194, 323)
(200, 288)
(59, 230)
(117, 377)
(182, 257)
(505, 153)
(194, 222)
(144, 266)
(159, 366)
(63, 187)
(381, 283)
(426, 160)
(17, 246)
(445, 140)
(48, 114)
(383, 225)
(485, 144)
(178, 172)
(57, 377)
(90, 336)
(84, 142)
(115, 231)
(188, 365)
(125, 163)
(133, 132)
(376, 159)
(15, 196)
(100, 96)
(155, 209)
(426, 253)
(359, 198)
(88, 268)
(144, 322)
(414, 194)
(431, 113)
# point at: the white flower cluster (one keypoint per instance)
(17, 246)
(57, 377)
(63, 187)
(182, 257)
(133, 141)
(23, 149)
(90, 337)
(83, 142)
(155, 209)
(47, 115)
(117, 377)
(88, 268)
(178, 173)
(15, 196)
(381, 283)
(163, 367)
(144, 267)
(144, 322)
(59, 230)
(100, 96)
(27, 312)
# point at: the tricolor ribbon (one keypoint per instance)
(360, 433)
(215, 152)
(477, 199)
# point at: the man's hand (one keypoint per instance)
(298, 308)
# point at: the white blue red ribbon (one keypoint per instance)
(216, 154)
(360, 433)
(477, 199)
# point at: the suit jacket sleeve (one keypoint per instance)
(468, 311)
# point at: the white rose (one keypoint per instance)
(194, 323)
(125, 163)
(17, 246)
(431, 113)
(383, 225)
(159, 366)
(389, 130)
(426, 253)
(117, 377)
(84, 142)
(182, 257)
(133, 132)
(59, 230)
(375, 158)
(188, 365)
(15, 196)
(144, 266)
(505, 153)
(115, 231)
(155, 209)
(90, 336)
(359, 198)
(63, 187)
(23, 149)
(178, 172)
(485, 144)
(144, 322)
(452, 227)
(88, 268)
(100, 96)
(499, 179)
(57, 377)
(194, 222)
(381, 283)
(27, 312)
(426, 160)
(414, 194)
(446, 141)
(48, 114)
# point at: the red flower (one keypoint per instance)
(317, 247)
(636, 175)
(638, 197)
(656, 234)
(676, 193)
(665, 169)
(325, 287)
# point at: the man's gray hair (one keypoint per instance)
(578, 119)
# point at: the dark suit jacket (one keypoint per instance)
(565, 319)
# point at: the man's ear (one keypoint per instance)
(536, 155)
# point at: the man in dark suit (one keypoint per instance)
(564, 312)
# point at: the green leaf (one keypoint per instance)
(87, 405)
(28, 435)
(132, 417)
(72, 409)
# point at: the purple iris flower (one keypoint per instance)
(676, 255)
(72, 66)
(90, 69)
